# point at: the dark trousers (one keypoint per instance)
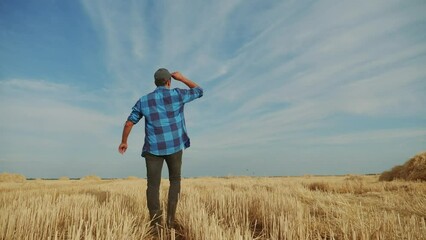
(154, 165)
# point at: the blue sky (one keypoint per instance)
(290, 87)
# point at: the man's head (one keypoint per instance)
(162, 77)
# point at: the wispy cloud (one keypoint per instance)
(41, 120)
(33, 85)
(369, 137)
(277, 67)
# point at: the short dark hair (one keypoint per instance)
(161, 82)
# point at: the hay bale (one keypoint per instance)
(415, 168)
(64, 178)
(412, 170)
(12, 177)
(91, 178)
(386, 176)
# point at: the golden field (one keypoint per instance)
(308, 207)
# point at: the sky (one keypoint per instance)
(290, 87)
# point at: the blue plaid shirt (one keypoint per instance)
(165, 130)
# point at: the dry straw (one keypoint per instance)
(217, 208)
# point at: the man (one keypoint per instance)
(165, 137)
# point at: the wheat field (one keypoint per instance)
(308, 207)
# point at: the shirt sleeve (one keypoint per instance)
(136, 113)
(190, 94)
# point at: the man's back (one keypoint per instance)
(165, 130)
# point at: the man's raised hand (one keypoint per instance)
(177, 76)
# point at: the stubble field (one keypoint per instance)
(309, 207)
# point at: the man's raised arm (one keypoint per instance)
(179, 77)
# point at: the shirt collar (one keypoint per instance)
(161, 88)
